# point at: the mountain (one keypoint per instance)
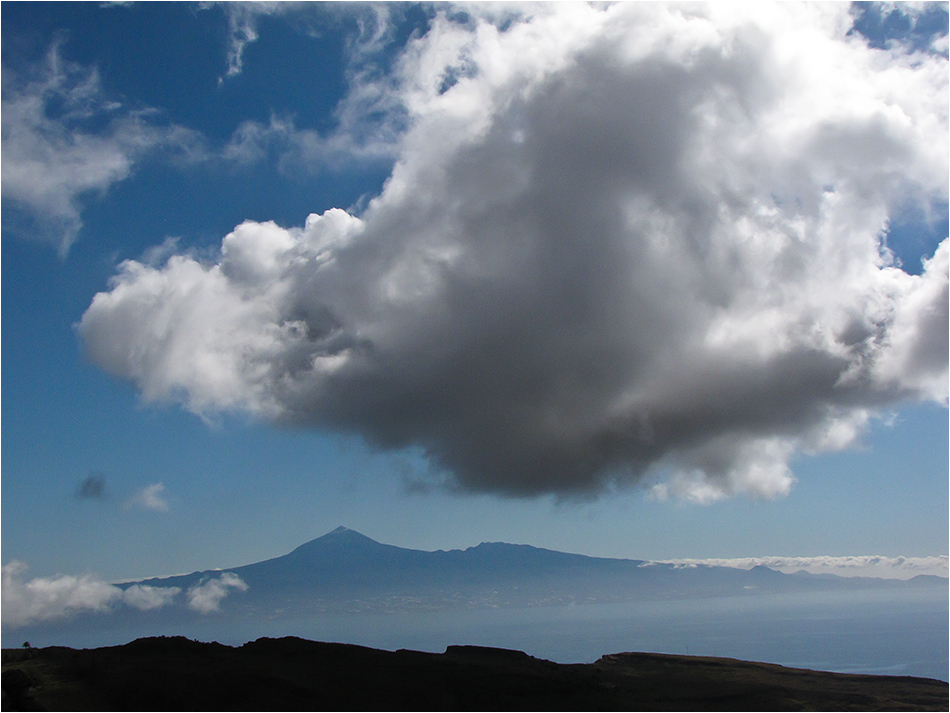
(345, 571)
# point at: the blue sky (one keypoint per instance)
(682, 313)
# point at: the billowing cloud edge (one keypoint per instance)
(543, 299)
(205, 597)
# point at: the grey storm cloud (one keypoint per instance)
(631, 244)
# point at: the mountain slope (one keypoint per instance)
(347, 571)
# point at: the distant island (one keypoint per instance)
(175, 673)
(347, 572)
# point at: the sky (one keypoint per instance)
(637, 280)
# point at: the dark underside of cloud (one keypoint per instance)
(627, 245)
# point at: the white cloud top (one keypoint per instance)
(206, 597)
(623, 242)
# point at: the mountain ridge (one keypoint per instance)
(321, 545)
(344, 534)
(346, 571)
(291, 673)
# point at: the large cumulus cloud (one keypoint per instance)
(634, 243)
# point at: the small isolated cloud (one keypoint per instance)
(206, 596)
(46, 598)
(145, 597)
(149, 498)
(628, 243)
(854, 566)
(93, 487)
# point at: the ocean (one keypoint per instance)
(872, 632)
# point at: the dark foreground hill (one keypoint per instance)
(295, 674)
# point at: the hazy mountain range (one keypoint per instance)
(345, 571)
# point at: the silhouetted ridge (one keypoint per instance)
(297, 674)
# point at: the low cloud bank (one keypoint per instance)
(206, 596)
(48, 598)
(622, 244)
(43, 598)
(856, 566)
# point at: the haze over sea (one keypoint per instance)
(855, 632)
(872, 632)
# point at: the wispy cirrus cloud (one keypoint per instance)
(151, 497)
(242, 28)
(370, 119)
(65, 141)
(297, 151)
(372, 21)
